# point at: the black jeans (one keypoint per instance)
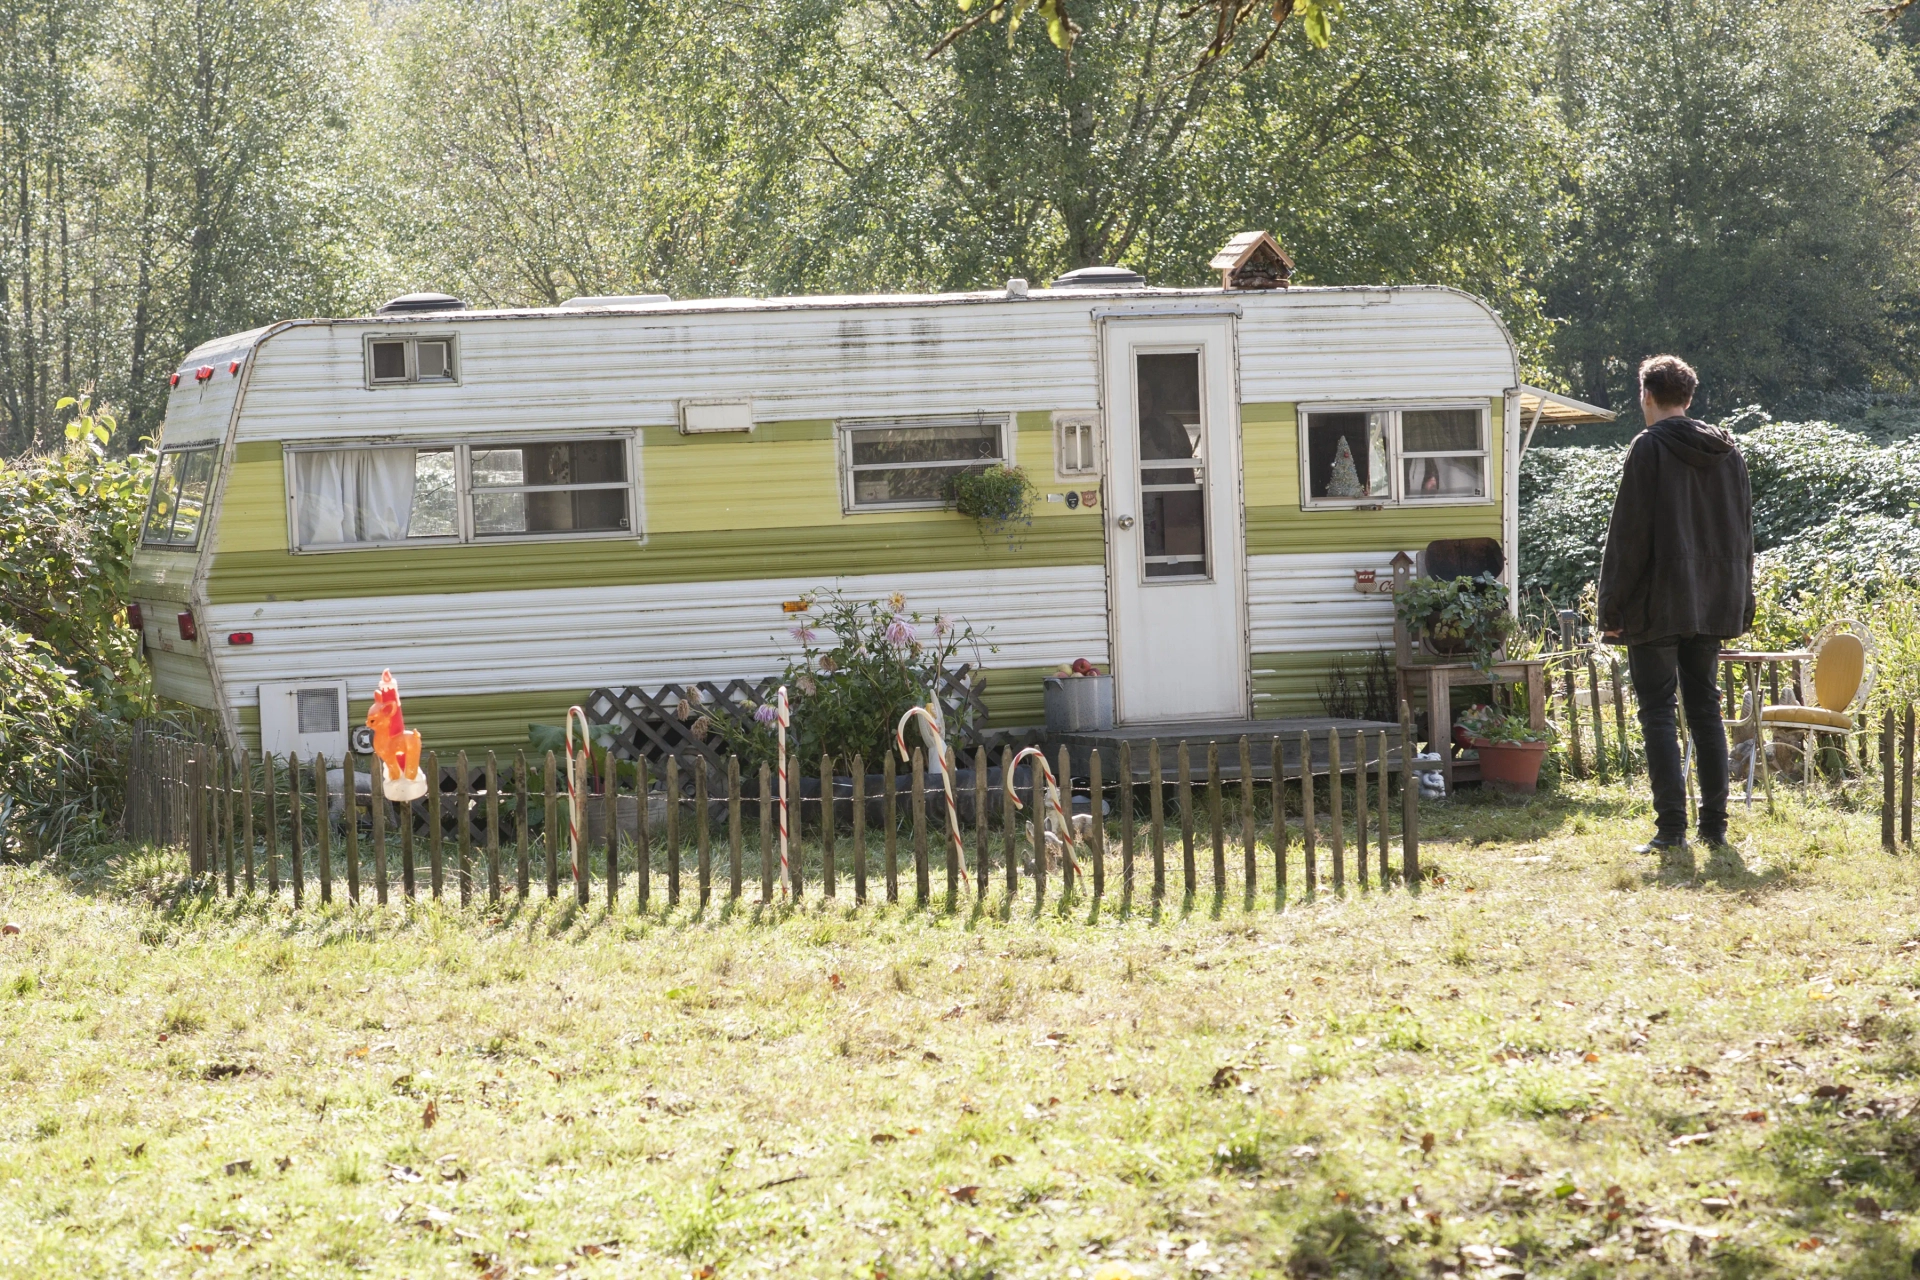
(1691, 661)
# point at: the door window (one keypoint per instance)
(1173, 464)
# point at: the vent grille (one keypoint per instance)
(317, 710)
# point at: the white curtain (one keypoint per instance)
(353, 495)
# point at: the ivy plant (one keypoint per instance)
(1469, 613)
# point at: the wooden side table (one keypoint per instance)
(1441, 678)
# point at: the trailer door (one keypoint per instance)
(1175, 540)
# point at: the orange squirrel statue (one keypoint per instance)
(396, 745)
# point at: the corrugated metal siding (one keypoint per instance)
(1307, 603)
(1287, 685)
(589, 372)
(199, 411)
(182, 677)
(554, 639)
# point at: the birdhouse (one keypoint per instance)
(1253, 260)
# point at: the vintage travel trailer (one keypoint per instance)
(512, 508)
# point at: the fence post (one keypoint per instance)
(982, 826)
(1065, 775)
(246, 815)
(1336, 810)
(734, 837)
(1008, 825)
(272, 804)
(673, 831)
(197, 811)
(1214, 822)
(523, 822)
(1573, 719)
(1409, 801)
(610, 795)
(297, 872)
(1277, 761)
(350, 810)
(463, 801)
(829, 874)
(436, 834)
(922, 887)
(702, 833)
(1189, 874)
(1906, 784)
(226, 815)
(1156, 812)
(377, 808)
(1887, 754)
(858, 768)
(1037, 812)
(890, 807)
(550, 827)
(766, 834)
(404, 816)
(1360, 806)
(1620, 720)
(1123, 797)
(1249, 861)
(1308, 825)
(1599, 738)
(1382, 776)
(493, 825)
(1096, 800)
(323, 824)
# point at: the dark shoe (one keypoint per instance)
(1716, 841)
(1662, 844)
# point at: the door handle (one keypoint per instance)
(1125, 522)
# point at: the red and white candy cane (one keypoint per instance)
(576, 786)
(935, 737)
(785, 718)
(1053, 799)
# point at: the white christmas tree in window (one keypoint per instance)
(1344, 481)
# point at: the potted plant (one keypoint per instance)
(999, 497)
(1510, 748)
(1459, 616)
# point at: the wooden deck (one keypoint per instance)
(1260, 736)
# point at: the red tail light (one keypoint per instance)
(173, 379)
(240, 637)
(187, 630)
(134, 620)
(234, 367)
(204, 372)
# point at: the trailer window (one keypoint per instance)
(400, 361)
(178, 504)
(361, 497)
(897, 462)
(1389, 456)
(560, 487)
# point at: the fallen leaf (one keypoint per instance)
(833, 980)
(1757, 1117)
(1698, 1073)
(1225, 1078)
(359, 1052)
(239, 1166)
(1809, 1244)
(594, 1250)
(965, 1195)
(879, 1138)
(9, 929)
(1000, 1159)
(404, 1173)
(1688, 1140)
(430, 1115)
(929, 1056)
(283, 1163)
(137, 1150)
(1837, 1092)
(1591, 1056)
(1867, 1205)
(1426, 1144)
(952, 1013)
(704, 1271)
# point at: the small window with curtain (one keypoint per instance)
(177, 506)
(1368, 456)
(384, 495)
(911, 462)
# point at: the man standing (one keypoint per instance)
(1677, 580)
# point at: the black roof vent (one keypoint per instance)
(1100, 278)
(412, 303)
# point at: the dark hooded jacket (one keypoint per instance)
(1679, 558)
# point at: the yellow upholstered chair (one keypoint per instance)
(1842, 679)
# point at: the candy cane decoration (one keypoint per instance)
(1053, 800)
(930, 723)
(785, 718)
(576, 787)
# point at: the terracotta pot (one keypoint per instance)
(1511, 766)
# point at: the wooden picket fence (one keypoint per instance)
(497, 828)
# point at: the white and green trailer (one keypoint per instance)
(512, 508)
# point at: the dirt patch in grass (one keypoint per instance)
(1555, 1059)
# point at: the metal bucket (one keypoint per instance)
(1078, 704)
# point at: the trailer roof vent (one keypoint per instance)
(614, 300)
(1100, 278)
(416, 303)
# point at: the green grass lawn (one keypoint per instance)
(1556, 1059)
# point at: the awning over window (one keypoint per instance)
(1558, 410)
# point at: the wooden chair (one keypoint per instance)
(1843, 671)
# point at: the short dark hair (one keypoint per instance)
(1668, 380)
